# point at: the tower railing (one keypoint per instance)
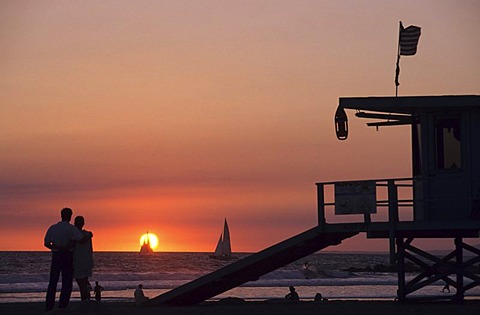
(394, 202)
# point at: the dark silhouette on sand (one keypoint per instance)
(140, 297)
(319, 297)
(98, 291)
(446, 287)
(293, 295)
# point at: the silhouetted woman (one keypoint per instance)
(83, 260)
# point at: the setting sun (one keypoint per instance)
(151, 238)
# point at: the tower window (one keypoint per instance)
(448, 144)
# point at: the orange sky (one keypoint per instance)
(169, 116)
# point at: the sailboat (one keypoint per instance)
(146, 248)
(223, 251)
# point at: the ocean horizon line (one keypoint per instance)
(196, 252)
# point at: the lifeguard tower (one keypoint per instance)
(441, 199)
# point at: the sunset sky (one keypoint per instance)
(169, 116)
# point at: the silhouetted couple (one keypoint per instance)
(72, 256)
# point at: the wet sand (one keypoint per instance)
(339, 307)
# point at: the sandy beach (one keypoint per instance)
(251, 308)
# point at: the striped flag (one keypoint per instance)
(407, 46)
(409, 40)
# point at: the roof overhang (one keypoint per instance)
(395, 111)
(409, 104)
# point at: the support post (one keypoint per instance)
(401, 269)
(459, 269)
(392, 217)
(321, 205)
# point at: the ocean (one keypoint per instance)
(24, 276)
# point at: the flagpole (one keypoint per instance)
(397, 69)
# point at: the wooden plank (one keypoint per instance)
(251, 267)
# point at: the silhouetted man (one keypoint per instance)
(293, 295)
(59, 239)
(140, 297)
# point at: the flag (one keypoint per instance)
(409, 40)
(407, 46)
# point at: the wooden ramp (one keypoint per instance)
(251, 267)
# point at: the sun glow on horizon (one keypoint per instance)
(151, 238)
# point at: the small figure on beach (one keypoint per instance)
(83, 259)
(310, 271)
(446, 288)
(60, 239)
(319, 297)
(293, 295)
(98, 291)
(140, 297)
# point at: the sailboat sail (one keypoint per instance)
(224, 248)
(227, 248)
(218, 249)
